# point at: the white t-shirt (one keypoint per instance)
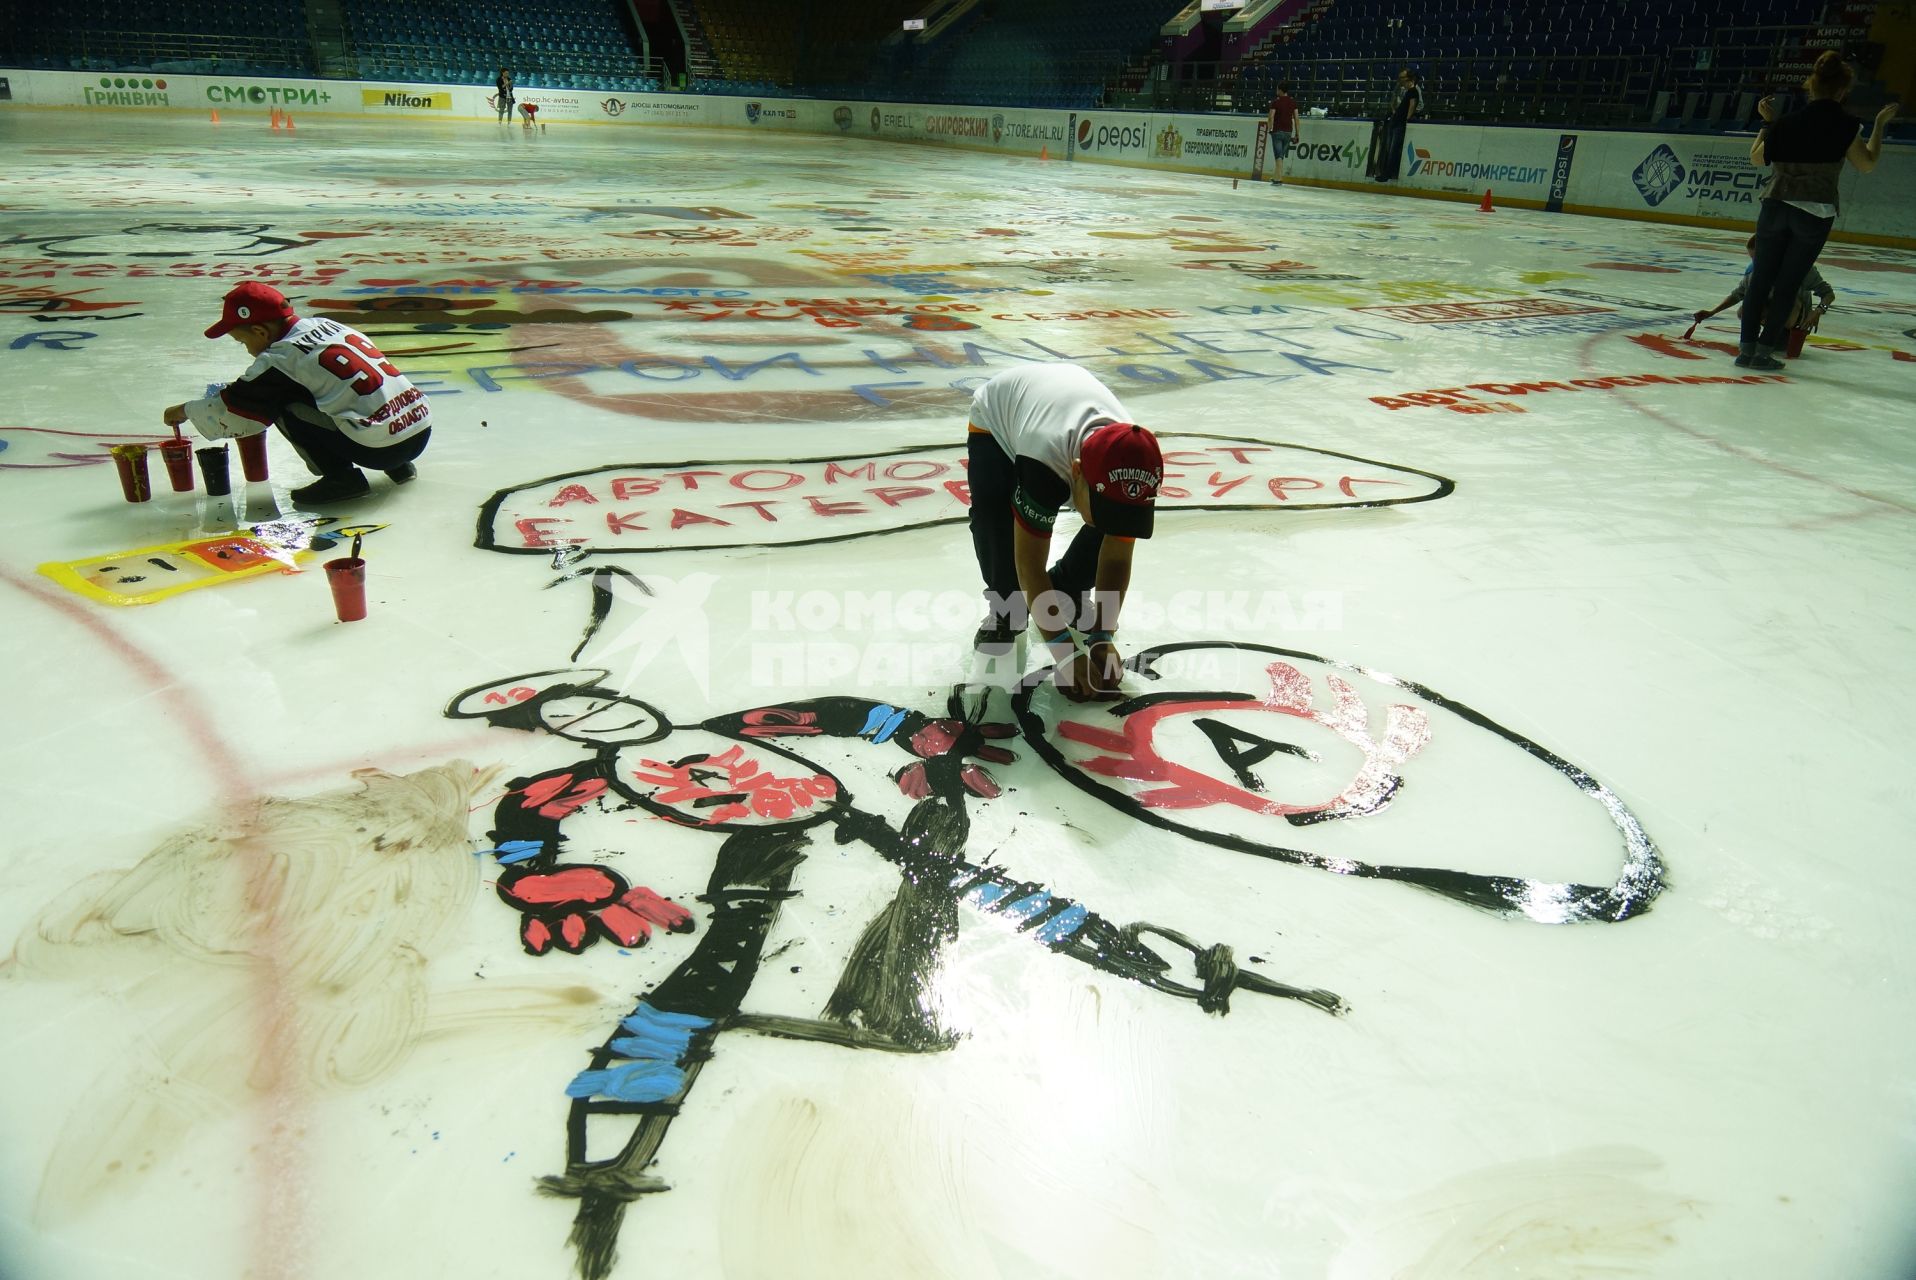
(1040, 414)
(332, 367)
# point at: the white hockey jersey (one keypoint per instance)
(329, 366)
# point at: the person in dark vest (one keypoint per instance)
(1805, 151)
(1396, 126)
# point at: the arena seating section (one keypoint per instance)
(554, 44)
(1043, 53)
(1512, 60)
(199, 36)
(773, 46)
(1593, 62)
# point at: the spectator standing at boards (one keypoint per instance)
(1410, 99)
(1283, 130)
(502, 95)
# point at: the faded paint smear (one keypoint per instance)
(1589, 1214)
(359, 888)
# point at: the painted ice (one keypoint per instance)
(1484, 573)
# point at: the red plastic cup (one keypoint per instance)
(1797, 338)
(347, 577)
(252, 452)
(130, 461)
(179, 464)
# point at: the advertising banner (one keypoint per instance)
(1329, 150)
(1668, 173)
(1467, 159)
(1638, 174)
(411, 98)
(1208, 143)
(1112, 137)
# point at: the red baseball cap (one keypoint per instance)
(252, 303)
(1124, 468)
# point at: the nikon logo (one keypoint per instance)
(410, 101)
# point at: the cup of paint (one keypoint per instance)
(347, 577)
(252, 452)
(215, 469)
(130, 461)
(179, 464)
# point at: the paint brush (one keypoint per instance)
(357, 539)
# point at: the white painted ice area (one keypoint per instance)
(303, 1039)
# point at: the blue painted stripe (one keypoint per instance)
(512, 851)
(655, 1048)
(629, 1082)
(648, 1015)
(1062, 925)
(876, 718)
(1028, 906)
(983, 895)
(891, 727)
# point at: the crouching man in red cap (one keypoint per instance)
(1042, 436)
(327, 388)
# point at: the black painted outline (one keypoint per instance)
(489, 511)
(1635, 889)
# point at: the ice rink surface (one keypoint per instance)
(1558, 725)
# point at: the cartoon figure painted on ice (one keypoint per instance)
(1276, 753)
(733, 775)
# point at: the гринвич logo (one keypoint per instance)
(1659, 174)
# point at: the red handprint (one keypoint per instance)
(955, 737)
(572, 907)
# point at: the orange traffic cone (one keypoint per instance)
(216, 117)
(1486, 206)
(276, 118)
(1044, 152)
(288, 118)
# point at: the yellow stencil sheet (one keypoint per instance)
(148, 574)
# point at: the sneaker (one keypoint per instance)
(327, 489)
(403, 473)
(994, 636)
(1763, 362)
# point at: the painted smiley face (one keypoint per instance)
(601, 718)
(1297, 758)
